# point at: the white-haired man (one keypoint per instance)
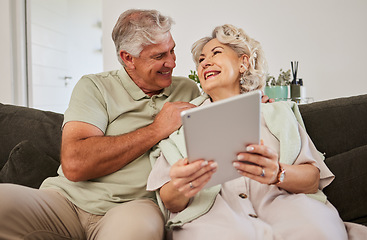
(113, 121)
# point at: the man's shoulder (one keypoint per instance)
(102, 80)
(102, 75)
(183, 81)
(183, 89)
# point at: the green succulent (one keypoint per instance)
(284, 79)
(193, 76)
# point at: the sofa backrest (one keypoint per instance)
(42, 129)
(338, 125)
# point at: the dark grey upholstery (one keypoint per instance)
(338, 128)
(30, 138)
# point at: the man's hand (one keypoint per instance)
(266, 99)
(168, 119)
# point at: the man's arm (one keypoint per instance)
(86, 153)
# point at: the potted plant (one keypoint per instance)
(278, 88)
(193, 76)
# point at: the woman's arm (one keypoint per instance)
(186, 181)
(303, 178)
(260, 163)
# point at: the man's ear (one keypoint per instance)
(127, 59)
(244, 63)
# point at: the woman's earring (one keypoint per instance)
(242, 82)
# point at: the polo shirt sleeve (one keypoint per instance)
(87, 104)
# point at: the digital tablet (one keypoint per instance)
(220, 130)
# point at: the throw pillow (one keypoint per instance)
(28, 166)
(348, 191)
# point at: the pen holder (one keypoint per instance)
(298, 92)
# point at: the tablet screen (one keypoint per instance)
(219, 131)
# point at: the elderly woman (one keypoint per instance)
(269, 201)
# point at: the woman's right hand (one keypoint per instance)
(190, 178)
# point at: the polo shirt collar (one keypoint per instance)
(135, 92)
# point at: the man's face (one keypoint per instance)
(154, 66)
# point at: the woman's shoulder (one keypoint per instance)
(281, 109)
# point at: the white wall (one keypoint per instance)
(86, 50)
(87, 47)
(65, 41)
(327, 37)
(6, 89)
(13, 52)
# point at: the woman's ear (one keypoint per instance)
(127, 58)
(244, 63)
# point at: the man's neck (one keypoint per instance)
(148, 92)
(151, 93)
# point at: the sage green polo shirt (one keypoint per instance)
(112, 102)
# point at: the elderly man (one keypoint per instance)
(113, 121)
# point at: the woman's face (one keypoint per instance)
(219, 70)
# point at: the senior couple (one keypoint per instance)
(115, 180)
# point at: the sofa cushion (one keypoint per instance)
(28, 166)
(41, 128)
(338, 125)
(348, 191)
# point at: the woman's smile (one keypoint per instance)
(209, 74)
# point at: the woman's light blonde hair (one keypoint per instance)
(138, 28)
(236, 38)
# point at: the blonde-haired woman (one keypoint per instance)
(269, 201)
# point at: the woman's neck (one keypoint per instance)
(222, 94)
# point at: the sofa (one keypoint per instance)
(30, 148)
